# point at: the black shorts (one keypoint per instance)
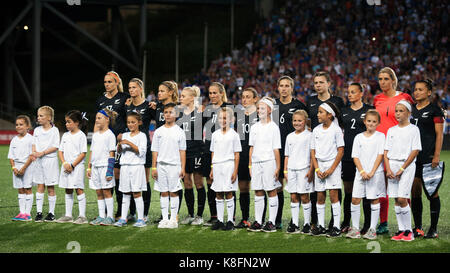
(206, 164)
(194, 165)
(243, 171)
(348, 171)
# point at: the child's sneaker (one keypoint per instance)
(163, 223)
(292, 229)
(306, 229)
(49, 218)
(188, 220)
(96, 221)
(172, 224)
(353, 233)
(39, 217)
(255, 227)
(408, 236)
(27, 217)
(108, 221)
(383, 228)
(198, 221)
(371, 234)
(81, 220)
(120, 223)
(398, 236)
(269, 227)
(64, 219)
(140, 223)
(19, 217)
(229, 226)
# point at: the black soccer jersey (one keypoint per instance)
(353, 123)
(116, 104)
(425, 119)
(158, 113)
(284, 113)
(192, 126)
(313, 103)
(147, 115)
(243, 124)
(209, 122)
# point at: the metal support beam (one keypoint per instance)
(127, 35)
(8, 57)
(26, 91)
(115, 29)
(15, 22)
(143, 33)
(36, 54)
(91, 37)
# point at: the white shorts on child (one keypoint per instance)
(168, 178)
(24, 181)
(401, 187)
(297, 182)
(263, 176)
(73, 180)
(46, 171)
(371, 189)
(222, 173)
(132, 178)
(333, 181)
(98, 179)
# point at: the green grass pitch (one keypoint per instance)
(18, 237)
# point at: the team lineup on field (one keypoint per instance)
(353, 154)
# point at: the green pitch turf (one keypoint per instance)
(17, 237)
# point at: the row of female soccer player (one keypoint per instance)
(257, 149)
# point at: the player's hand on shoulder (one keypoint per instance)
(152, 105)
(128, 102)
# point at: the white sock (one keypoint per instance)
(82, 205)
(69, 204)
(230, 209)
(164, 203)
(374, 215)
(220, 208)
(406, 217)
(125, 206)
(139, 207)
(273, 208)
(336, 207)
(174, 204)
(355, 211)
(321, 214)
(29, 203)
(51, 204)
(295, 210)
(307, 213)
(259, 207)
(39, 201)
(22, 201)
(109, 202)
(398, 214)
(101, 208)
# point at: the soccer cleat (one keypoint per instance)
(418, 232)
(39, 217)
(371, 234)
(172, 224)
(243, 224)
(188, 220)
(345, 229)
(19, 217)
(96, 221)
(229, 226)
(49, 218)
(163, 223)
(364, 230)
(353, 233)
(306, 229)
(318, 231)
(408, 236)
(398, 236)
(255, 227)
(140, 223)
(217, 225)
(269, 227)
(431, 234)
(120, 223)
(292, 229)
(198, 221)
(334, 232)
(64, 219)
(382, 228)
(108, 221)
(81, 220)
(131, 218)
(210, 222)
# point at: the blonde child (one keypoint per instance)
(327, 149)
(19, 156)
(46, 168)
(100, 169)
(225, 149)
(401, 149)
(299, 171)
(72, 152)
(133, 147)
(367, 154)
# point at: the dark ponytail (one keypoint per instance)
(80, 117)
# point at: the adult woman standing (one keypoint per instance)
(385, 103)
